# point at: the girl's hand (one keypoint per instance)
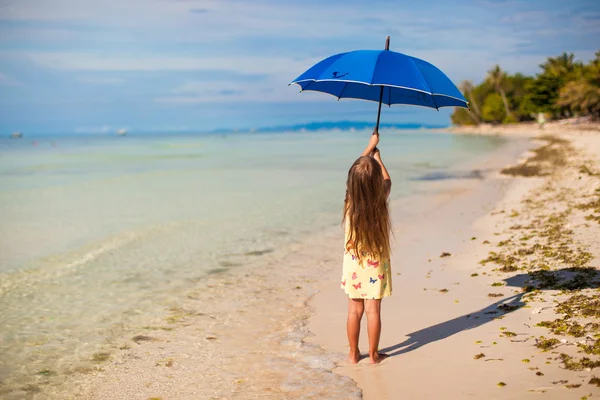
(375, 154)
(374, 140)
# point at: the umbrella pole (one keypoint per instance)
(379, 111)
(387, 47)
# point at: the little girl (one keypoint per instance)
(367, 274)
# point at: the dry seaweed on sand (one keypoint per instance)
(544, 160)
(574, 364)
(546, 344)
(566, 326)
(593, 348)
(508, 307)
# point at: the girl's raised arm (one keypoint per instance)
(373, 141)
(387, 181)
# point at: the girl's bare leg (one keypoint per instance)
(356, 307)
(373, 308)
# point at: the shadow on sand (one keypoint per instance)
(563, 279)
(456, 325)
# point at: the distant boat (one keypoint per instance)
(122, 132)
(16, 135)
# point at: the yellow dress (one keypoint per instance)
(369, 279)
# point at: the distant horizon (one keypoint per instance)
(308, 127)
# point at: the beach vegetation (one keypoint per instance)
(478, 356)
(563, 88)
(595, 381)
(493, 108)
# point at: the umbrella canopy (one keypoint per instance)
(383, 76)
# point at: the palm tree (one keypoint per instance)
(581, 96)
(495, 78)
(466, 87)
(562, 66)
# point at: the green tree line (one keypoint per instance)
(564, 88)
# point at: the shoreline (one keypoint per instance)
(472, 324)
(527, 129)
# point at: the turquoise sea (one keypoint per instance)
(98, 231)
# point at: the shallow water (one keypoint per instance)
(101, 235)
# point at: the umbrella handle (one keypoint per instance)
(387, 47)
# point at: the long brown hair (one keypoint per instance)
(366, 210)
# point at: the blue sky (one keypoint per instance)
(155, 65)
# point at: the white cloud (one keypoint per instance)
(217, 91)
(71, 61)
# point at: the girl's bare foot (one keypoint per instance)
(378, 357)
(353, 357)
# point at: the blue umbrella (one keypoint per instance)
(383, 76)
